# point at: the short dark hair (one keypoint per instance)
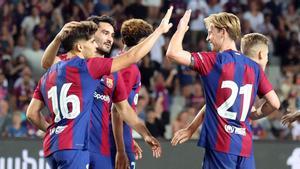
(103, 18)
(133, 30)
(85, 31)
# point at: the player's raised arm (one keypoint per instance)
(185, 134)
(130, 117)
(137, 52)
(49, 56)
(175, 51)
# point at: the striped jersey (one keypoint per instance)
(231, 82)
(110, 89)
(67, 89)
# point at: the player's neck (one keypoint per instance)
(254, 59)
(126, 48)
(100, 55)
(228, 45)
(73, 53)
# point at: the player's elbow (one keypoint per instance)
(276, 104)
(119, 109)
(33, 110)
(273, 99)
(29, 115)
(44, 64)
(171, 54)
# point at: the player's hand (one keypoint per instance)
(67, 28)
(184, 21)
(137, 150)
(290, 118)
(181, 136)
(122, 161)
(164, 24)
(174, 72)
(155, 146)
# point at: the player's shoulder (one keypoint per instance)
(250, 62)
(76, 62)
(236, 56)
(202, 54)
(229, 54)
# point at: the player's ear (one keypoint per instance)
(78, 47)
(259, 54)
(223, 31)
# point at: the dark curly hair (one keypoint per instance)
(133, 30)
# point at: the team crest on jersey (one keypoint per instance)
(109, 82)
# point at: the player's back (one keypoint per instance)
(67, 88)
(231, 81)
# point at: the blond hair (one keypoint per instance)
(225, 20)
(251, 42)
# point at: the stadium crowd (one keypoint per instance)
(171, 95)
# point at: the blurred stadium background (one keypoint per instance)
(171, 95)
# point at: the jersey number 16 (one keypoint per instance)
(64, 100)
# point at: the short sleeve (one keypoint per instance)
(264, 86)
(120, 90)
(97, 67)
(37, 94)
(129, 76)
(203, 61)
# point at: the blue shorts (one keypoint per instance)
(219, 160)
(130, 156)
(99, 161)
(69, 159)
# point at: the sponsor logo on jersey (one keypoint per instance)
(109, 82)
(58, 129)
(105, 98)
(235, 130)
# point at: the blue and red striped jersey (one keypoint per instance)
(132, 79)
(110, 89)
(231, 82)
(66, 89)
